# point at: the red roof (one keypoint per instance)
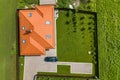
(36, 30)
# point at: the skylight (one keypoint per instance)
(47, 22)
(30, 14)
(24, 41)
(48, 36)
(23, 27)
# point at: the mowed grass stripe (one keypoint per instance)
(109, 39)
(7, 38)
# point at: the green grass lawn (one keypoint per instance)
(63, 69)
(109, 39)
(7, 39)
(74, 41)
(21, 67)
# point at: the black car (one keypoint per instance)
(51, 59)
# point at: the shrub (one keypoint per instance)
(82, 29)
(82, 23)
(89, 23)
(88, 7)
(90, 17)
(67, 22)
(89, 28)
(84, 1)
(32, 1)
(94, 61)
(63, 3)
(89, 1)
(83, 17)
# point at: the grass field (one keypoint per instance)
(109, 39)
(75, 37)
(7, 39)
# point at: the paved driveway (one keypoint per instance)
(34, 64)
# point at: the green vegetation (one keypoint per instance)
(21, 65)
(63, 69)
(75, 37)
(7, 40)
(57, 78)
(63, 3)
(87, 5)
(65, 74)
(27, 3)
(78, 39)
(109, 39)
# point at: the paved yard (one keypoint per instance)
(81, 68)
(78, 68)
(34, 64)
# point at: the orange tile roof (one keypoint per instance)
(36, 30)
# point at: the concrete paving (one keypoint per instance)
(81, 68)
(34, 64)
(44, 2)
(78, 67)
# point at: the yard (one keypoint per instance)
(75, 37)
(8, 40)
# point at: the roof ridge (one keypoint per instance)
(27, 20)
(38, 11)
(38, 40)
(37, 45)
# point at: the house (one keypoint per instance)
(48, 2)
(36, 30)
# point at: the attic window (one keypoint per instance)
(30, 14)
(23, 27)
(47, 22)
(48, 36)
(24, 41)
